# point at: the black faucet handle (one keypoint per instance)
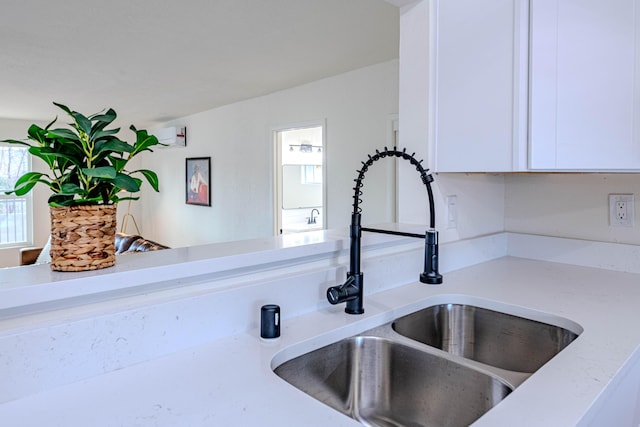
(334, 295)
(350, 292)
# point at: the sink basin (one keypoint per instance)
(380, 382)
(497, 339)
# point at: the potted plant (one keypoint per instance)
(87, 172)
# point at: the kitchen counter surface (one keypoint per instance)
(230, 382)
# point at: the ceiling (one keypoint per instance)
(157, 60)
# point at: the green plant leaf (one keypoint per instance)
(70, 148)
(71, 175)
(101, 121)
(105, 118)
(143, 141)
(36, 133)
(55, 119)
(115, 146)
(71, 190)
(37, 151)
(127, 182)
(63, 133)
(122, 199)
(25, 183)
(15, 141)
(61, 200)
(63, 107)
(118, 163)
(102, 133)
(81, 122)
(152, 178)
(50, 156)
(100, 155)
(101, 172)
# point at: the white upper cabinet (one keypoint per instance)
(584, 93)
(537, 85)
(478, 85)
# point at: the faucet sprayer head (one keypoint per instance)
(431, 275)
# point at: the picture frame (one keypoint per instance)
(198, 181)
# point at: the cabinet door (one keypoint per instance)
(477, 85)
(584, 84)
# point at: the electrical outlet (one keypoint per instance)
(621, 210)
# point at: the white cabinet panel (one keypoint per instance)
(477, 87)
(584, 96)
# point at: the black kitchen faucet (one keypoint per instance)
(351, 291)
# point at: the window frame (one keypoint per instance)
(29, 214)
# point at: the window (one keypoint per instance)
(15, 211)
(311, 174)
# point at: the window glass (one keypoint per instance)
(15, 211)
(311, 174)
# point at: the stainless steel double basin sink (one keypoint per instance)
(445, 365)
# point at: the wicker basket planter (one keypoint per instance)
(82, 237)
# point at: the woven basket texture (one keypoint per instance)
(82, 237)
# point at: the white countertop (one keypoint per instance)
(229, 381)
(147, 271)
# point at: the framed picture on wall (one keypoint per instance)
(198, 181)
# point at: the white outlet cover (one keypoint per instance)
(616, 217)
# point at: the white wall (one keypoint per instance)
(480, 196)
(357, 107)
(569, 205)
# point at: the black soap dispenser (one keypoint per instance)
(270, 321)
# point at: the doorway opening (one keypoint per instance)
(300, 179)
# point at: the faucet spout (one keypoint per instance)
(351, 291)
(312, 219)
